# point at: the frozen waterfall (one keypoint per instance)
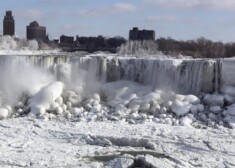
(183, 76)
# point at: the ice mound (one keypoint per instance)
(45, 98)
(128, 102)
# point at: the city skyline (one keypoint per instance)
(179, 19)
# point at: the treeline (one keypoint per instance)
(199, 48)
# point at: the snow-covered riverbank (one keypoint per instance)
(32, 142)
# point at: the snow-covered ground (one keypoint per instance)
(106, 110)
(30, 142)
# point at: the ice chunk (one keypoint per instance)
(151, 97)
(180, 97)
(3, 113)
(194, 109)
(122, 92)
(192, 99)
(180, 108)
(186, 121)
(229, 99)
(200, 107)
(145, 107)
(214, 100)
(230, 120)
(215, 109)
(212, 116)
(43, 100)
(119, 163)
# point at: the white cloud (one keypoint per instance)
(172, 18)
(124, 7)
(162, 18)
(207, 4)
(102, 11)
(29, 14)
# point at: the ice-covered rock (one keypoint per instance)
(151, 97)
(122, 92)
(230, 110)
(186, 121)
(180, 108)
(194, 109)
(4, 113)
(96, 97)
(145, 107)
(214, 100)
(192, 99)
(180, 97)
(212, 116)
(43, 100)
(155, 108)
(59, 100)
(59, 110)
(230, 120)
(215, 109)
(229, 99)
(163, 110)
(134, 107)
(200, 107)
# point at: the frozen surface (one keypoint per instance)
(33, 142)
(107, 110)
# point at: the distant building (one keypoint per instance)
(8, 24)
(91, 41)
(136, 34)
(66, 40)
(36, 32)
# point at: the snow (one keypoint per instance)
(45, 99)
(180, 108)
(4, 113)
(60, 144)
(110, 111)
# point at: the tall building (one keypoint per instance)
(8, 24)
(136, 34)
(36, 32)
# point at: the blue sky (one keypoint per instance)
(179, 19)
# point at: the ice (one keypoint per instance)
(150, 161)
(180, 108)
(215, 109)
(214, 100)
(192, 99)
(43, 100)
(120, 163)
(186, 121)
(99, 104)
(4, 113)
(230, 120)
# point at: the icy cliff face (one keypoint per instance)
(183, 76)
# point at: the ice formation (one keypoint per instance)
(111, 102)
(8, 43)
(111, 87)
